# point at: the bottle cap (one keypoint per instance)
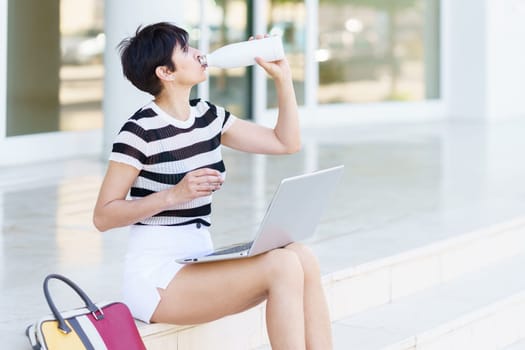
(203, 60)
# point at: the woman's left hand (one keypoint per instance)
(277, 70)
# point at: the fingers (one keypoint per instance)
(195, 184)
(269, 67)
(206, 172)
(262, 63)
(259, 36)
(208, 187)
(208, 184)
(204, 181)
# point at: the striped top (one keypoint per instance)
(164, 149)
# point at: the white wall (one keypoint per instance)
(505, 58)
(484, 58)
(465, 65)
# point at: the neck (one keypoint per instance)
(175, 103)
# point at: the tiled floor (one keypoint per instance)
(404, 185)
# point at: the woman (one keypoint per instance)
(167, 156)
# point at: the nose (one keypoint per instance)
(196, 52)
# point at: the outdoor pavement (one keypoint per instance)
(404, 186)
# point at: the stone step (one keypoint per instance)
(479, 310)
(519, 345)
(361, 287)
(369, 284)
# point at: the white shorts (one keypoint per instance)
(150, 262)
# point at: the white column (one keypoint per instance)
(505, 58)
(260, 24)
(122, 17)
(204, 46)
(2, 248)
(484, 58)
(311, 66)
(464, 60)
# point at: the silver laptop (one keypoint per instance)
(293, 215)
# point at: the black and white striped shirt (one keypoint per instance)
(164, 149)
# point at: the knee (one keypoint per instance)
(283, 266)
(309, 262)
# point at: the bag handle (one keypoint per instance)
(62, 325)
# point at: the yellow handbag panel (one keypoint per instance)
(55, 339)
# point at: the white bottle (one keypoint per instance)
(243, 53)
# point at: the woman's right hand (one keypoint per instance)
(197, 183)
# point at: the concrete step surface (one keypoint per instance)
(380, 281)
(480, 310)
(519, 345)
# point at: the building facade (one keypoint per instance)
(62, 93)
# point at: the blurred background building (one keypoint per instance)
(62, 93)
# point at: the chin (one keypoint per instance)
(203, 78)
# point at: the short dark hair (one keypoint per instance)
(151, 47)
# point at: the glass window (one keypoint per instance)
(82, 66)
(378, 50)
(230, 88)
(287, 19)
(54, 65)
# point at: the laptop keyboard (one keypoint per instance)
(236, 248)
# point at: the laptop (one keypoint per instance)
(293, 215)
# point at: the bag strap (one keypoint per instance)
(62, 325)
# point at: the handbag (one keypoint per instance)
(107, 326)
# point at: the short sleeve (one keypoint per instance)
(229, 119)
(130, 146)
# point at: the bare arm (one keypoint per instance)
(285, 137)
(113, 210)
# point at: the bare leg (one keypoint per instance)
(317, 319)
(205, 292)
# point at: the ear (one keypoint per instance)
(163, 73)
